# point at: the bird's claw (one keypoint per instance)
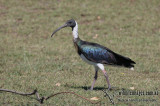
(90, 89)
(109, 88)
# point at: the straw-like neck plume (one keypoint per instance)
(75, 31)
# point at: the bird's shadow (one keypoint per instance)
(87, 87)
(95, 88)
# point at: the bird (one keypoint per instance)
(96, 54)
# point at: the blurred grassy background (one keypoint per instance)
(30, 58)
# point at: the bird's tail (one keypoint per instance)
(124, 61)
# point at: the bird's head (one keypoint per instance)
(70, 23)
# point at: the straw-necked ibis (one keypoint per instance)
(96, 54)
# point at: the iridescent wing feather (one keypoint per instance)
(100, 54)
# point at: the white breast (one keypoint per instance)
(100, 66)
(87, 61)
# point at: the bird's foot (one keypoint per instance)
(91, 89)
(109, 88)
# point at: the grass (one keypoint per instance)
(30, 58)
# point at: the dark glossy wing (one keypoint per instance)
(100, 54)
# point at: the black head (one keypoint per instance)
(70, 23)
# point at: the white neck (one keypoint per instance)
(75, 31)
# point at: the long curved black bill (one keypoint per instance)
(65, 25)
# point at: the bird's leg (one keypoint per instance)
(95, 77)
(101, 66)
(106, 76)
